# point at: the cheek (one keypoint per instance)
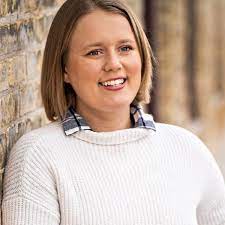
(83, 74)
(84, 83)
(135, 61)
(135, 66)
(88, 72)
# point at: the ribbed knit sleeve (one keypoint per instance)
(30, 196)
(211, 209)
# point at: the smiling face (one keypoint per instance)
(104, 64)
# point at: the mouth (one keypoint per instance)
(113, 83)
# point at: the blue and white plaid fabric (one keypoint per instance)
(73, 122)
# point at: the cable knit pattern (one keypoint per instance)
(126, 177)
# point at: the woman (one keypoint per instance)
(103, 161)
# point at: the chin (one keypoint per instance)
(122, 102)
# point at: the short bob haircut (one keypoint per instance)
(57, 95)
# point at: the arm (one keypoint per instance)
(211, 210)
(29, 190)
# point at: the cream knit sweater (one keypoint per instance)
(127, 177)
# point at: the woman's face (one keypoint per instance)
(104, 64)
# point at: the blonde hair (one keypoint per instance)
(57, 95)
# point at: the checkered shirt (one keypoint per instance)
(73, 122)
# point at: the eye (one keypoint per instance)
(126, 48)
(94, 52)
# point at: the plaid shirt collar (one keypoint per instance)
(73, 122)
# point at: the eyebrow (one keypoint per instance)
(96, 44)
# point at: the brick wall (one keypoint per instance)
(23, 29)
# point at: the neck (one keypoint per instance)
(101, 121)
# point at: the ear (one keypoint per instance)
(66, 76)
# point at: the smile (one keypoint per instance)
(115, 83)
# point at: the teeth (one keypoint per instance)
(113, 82)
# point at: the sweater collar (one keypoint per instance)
(73, 122)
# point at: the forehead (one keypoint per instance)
(101, 25)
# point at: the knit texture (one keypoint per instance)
(125, 177)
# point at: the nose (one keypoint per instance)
(112, 62)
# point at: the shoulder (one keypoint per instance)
(38, 141)
(48, 130)
(172, 129)
(185, 142)
(34, 148)
(29, 159)
(45, 134)
(177, 134)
